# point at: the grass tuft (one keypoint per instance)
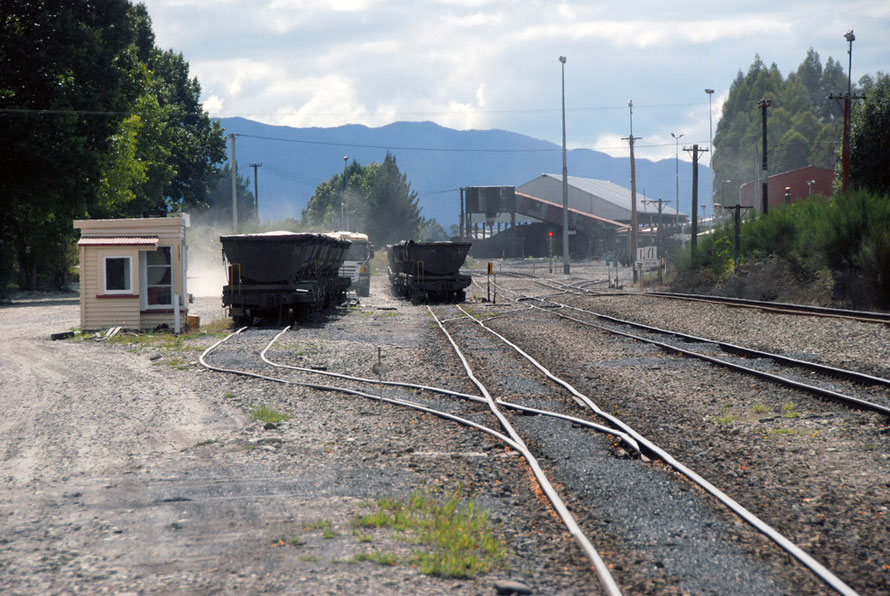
(266, 414)
(388, 559)
(458, 536)
(789, 410)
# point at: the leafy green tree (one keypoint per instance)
(98, 122)
(393, 213)
(869, 139)
(379, 199)
(63, 92)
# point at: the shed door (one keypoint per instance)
(156, 273)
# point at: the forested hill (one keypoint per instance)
(436, 160)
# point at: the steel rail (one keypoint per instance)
(784, 307)
(513, 441)
(842, 398)
(817, 568)
(602, 571)
(628, 440)
(730, 347)
(399, 402)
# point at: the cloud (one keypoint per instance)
(492, 63)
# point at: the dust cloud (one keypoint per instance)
(206, 271)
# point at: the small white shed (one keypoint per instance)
(133, 272)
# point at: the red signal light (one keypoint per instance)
(550, 234)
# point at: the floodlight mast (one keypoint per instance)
(565, 177)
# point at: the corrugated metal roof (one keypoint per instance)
(608, 191)
(118, 241)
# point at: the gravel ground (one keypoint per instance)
(129, 470)
(818, 472)
(137, 470)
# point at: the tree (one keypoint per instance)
(63, 93)
(98, 122)
(804, 124)
(379, 199)
(869, 142)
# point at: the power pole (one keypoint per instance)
(694, 211)
(633, 190)
(763, 104)
(234, 187)
(461, 220)
(344, 206)
(256, 191)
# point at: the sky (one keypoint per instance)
(494, 64)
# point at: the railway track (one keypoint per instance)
(616, 427)
(548, 299)
(782, 307)
(872, 393)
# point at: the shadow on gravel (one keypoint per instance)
(46, 302)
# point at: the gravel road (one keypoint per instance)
(123, 474)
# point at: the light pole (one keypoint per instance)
(848, 104)
(710, 92)
(677, 181)
(565, 177)
(633, 191)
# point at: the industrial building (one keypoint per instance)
(599, 214)
(788, 187)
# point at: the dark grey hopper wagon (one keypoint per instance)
(282, 275)
(428, 270)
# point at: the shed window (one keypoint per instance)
(159, 277)
(118, 277)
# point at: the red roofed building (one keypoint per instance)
(801, 183)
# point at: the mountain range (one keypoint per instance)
(437, 161)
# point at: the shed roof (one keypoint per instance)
(118, 241)
(607, 191)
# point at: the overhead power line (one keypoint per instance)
(441, 149)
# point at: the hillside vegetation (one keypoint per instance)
(825, 250)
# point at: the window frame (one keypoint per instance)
(144, 275)
(129, 291)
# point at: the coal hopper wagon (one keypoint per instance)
(428, 271)
(281, 276)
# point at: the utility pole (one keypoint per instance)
(763, 104)
(694, 211)
(256, 189)
(234, 187)
(633, 190)
(344, 207)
